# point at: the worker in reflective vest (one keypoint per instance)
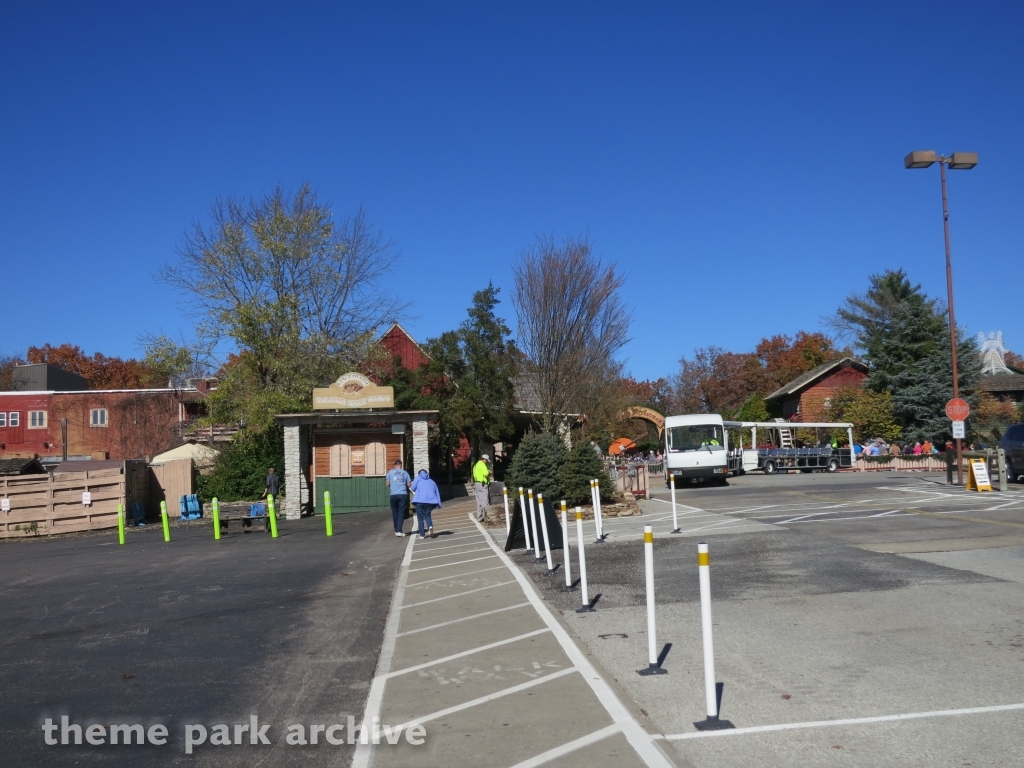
(481, 484)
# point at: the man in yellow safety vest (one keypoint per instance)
(482, 484)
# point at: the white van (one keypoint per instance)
(696, 448)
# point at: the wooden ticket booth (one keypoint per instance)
(346, 446)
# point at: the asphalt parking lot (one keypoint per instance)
(192, 631)
(888, 599)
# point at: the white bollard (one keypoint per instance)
(536, 530)
(566, 562)
(526, 519)
(508, 522)
(653, 667)
(598, 520)
(712, 723)
(675, 518)
(586, 607)
(544, 530)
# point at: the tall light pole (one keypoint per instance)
(958, 161)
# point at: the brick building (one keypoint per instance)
(54, 424)
(807, 396)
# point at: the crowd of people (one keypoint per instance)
(879, 447)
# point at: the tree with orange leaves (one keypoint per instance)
(100, 371)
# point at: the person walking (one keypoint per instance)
(482, 484)
(398, 482)
(426, 497)
(272, 484)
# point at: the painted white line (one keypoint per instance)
(458, 594)
(361, 758)
(848, 721)
(451, 546)
(462, 619)
(470, 652)
(457, 576)
(639, 739)
(569, 747)
(445, 565)
(453, 554)
(489, 697)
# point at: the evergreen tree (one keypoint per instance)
(479, 359)
(911, 360)
(583, 465)
(538, 464)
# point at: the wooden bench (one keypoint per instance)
(240, 511)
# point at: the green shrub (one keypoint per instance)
(240, 471)
(538, 464)
(583, 465)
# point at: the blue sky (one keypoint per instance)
(742, 163)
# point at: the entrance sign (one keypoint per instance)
(959, 433)
(977, 476)
(353, 390)
(957, 409)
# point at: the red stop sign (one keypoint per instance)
(957, 409)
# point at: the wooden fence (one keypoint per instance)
(44, 504)
(170, 481)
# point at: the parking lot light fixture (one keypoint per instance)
(958, 161)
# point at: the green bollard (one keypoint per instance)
(216, 519)
(165, 521)
(327, 513)
(120, 523)
(272, 515)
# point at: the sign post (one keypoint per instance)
(957, 409)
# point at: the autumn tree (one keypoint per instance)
(571, 324)
(871, 413)
(7, 363)
(100, 371)
(295, 291)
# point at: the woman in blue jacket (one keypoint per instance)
(425, 497)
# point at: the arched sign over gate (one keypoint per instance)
(647, 414)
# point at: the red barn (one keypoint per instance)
(806, 397)
(397, 341)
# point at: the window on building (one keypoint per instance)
(14, 419)
(37, 419)
(3, 419)
(341, 460)
(98, 417)
(376, 459)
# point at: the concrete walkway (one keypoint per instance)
(475, 655)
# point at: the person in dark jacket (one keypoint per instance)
(426, 498)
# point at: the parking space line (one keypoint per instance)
(462, 619)
(458, 594)
(458, 576)
(846, 721)
(451, 546)
(489, 697)
(445, 565)
(452, 554)
(470, 652)
(637, 737)
(569, 747)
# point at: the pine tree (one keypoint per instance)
(538, 464)
(911, 360)
(582, 466)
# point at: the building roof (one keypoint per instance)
(198, 452)
(807, 379)
(21, 467)
(88, 465)
(1000, 382)
(382, 416)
